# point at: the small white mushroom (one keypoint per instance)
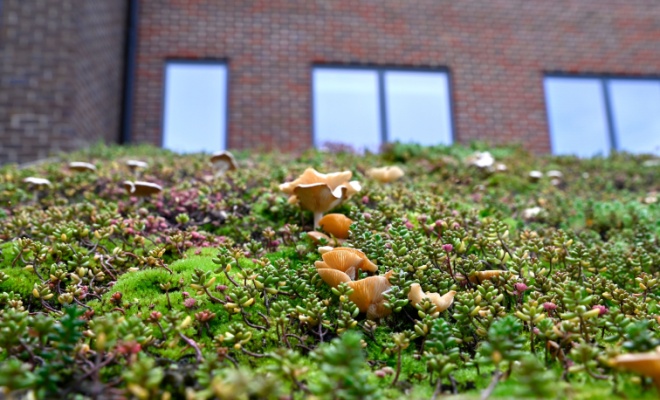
(535, 176)
(483, 160)
(80, 166)
(531, 213)
(135, 166)
(223, 161)
(36, 184)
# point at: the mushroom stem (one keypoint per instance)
(317, 218)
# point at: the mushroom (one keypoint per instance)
(647, 364)
(223, 161)
(487, 275)
(333, 179)
(483, 160)
(535, 176)
(368, 293)
(319, 192)
(319, 198)
(500, 167)
(385, 174)
(141, 188)
(317, 236)
(554, 174)
(80, 166)
(441, 303)
(346, 260)
(135, 166)
(36, 184)
(531, 213)
(324, 249)
(367, 265)
(336, 224)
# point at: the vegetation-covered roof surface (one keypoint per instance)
(211, 288)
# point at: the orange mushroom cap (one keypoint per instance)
(337, 225)
(318, 197)
(480, 276)
(441, 303)
(311, 176)
(368, 293)
(647, 364)
(341, 260)
(367, 265)
(385, 174)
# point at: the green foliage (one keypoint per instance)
(210, 289)
(341, 364)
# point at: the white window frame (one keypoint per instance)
(604, 81)
(382, 95)
(224, 133)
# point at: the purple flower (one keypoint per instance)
(221, 288)
(365, 199)
(601, 309)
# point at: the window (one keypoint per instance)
(195, 110)
(590, 116)
(364, 107)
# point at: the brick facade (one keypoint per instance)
(62, 61)
(496, 51)
(61, 72)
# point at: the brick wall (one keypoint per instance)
(496, 50)
(61, 73)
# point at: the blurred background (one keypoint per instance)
(578, 77)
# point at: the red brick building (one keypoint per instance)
(62, 84)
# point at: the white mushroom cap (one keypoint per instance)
(481, 159)
(37, 181)
(531, 213)
(554, 174)
(135, 164)
(224, 160)
(536, 175)
(141, 188)
(500, 167)
(81, 166)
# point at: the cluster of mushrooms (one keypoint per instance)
(222, 162)
(320, 193)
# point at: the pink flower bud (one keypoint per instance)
(447, 247)
(189, 302)
(520, 288)
(601, 309)
(549, 306)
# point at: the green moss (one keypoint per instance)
(19, 280)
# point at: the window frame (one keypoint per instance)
(380, 71)
(603, 80)
(192, 61)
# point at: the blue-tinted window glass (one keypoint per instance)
(577, 116)
(636, 113)
(346, 108)
(418, 109)
(195, 107)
